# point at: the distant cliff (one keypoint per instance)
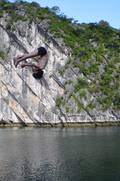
(81, 83)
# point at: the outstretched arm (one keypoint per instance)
(29, 55)
(24, 57)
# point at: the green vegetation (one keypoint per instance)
(2, 54)
(95, 49)
(58, 102)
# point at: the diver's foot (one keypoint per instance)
(15, 61)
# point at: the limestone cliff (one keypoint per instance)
(25, 100)
(22, 98)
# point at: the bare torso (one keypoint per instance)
(42, 61)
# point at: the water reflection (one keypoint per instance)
(60, 154)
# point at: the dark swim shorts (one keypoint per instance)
(38, 74)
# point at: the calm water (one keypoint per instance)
(85, 154)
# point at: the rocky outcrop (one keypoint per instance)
(22, 98)
(25, 100)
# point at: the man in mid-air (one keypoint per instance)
(41, 57)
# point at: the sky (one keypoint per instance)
(87, 11)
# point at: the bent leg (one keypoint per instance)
(19, 59)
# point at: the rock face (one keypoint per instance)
(26, 100)
(22, 98)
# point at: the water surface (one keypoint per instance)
(72, 154)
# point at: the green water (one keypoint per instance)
(73, 154)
